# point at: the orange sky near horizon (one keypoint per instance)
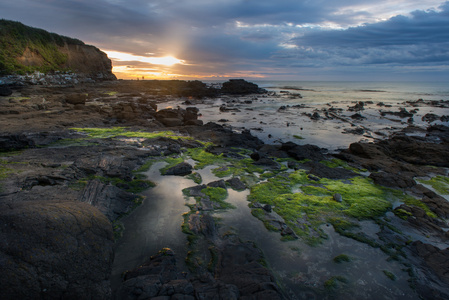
(136, 67)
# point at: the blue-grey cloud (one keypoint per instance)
(263, 36)
(421, 38)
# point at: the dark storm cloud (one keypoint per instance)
(254, 35)
(422, 38)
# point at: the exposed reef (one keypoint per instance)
(71, 169)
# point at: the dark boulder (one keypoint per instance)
(171, 122)
(15, 142)
(76, 98)
(301, 152)
(236, 184)
(219, 183)
(181, 169)
(5, 91)
(240, 87)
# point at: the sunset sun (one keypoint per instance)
(154, 60)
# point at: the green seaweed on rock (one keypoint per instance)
(438, 183)
(196, 177)
(112, 132)
(341, 258)
(335, 282)
(306, 205)
(218, 195)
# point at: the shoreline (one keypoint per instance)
(44, 172)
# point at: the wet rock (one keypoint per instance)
(55, 249)
(357, 107)
(301, 152)
(430, 265)
(240, 87)
(224, 137)
(76, 99)
(430, 118)
(437, 259)
(315, 116)
(324, 171)
(191, 113)
(225, 108)
(366, 150)
(357, 117)
(171, 122)
(402, 113)
(287, 231)
(15, 142)
(202, 223)
(337, 197)
(110, 200)
(236, 184)
(357, 130)
(267, 207)
(436, 203)
(194, 122)
(268, 163)
(5, 91)
(393, 179)
(219, 183)
(180, 169)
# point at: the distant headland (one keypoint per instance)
(25, 50)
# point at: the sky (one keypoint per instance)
(363, 40)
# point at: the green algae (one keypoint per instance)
(338, 163)
(204, 158)
(298, 137)
(260, 214)
(112, 132)
(218, 195)
(196, 177)
(306, 205)
(342, 258)
(390, 275)
(171, 162)
(438, 183)
(403, 214)
(335, 282)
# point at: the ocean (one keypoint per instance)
(328, 91)
(285, 114)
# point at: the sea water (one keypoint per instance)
(263, 116)
(328, 91)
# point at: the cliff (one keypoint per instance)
(25, 49)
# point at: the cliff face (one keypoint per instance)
(25, 49)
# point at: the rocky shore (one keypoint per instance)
(71, 164)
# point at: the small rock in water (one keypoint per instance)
(267, 207)
(337, 197)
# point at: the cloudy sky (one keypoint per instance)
(380, 40)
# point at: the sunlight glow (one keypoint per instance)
(122, 56)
